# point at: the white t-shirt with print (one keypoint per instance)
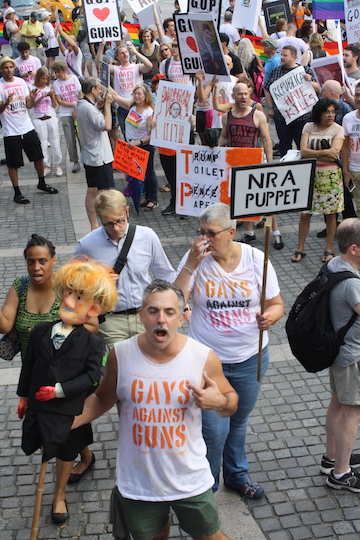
(126, 78)
(175, 72)
(74, 60)
(68, 91)
(43, 107)
(136, 124)
(15, 119)
(225, 304)
(30, 64)
(351, 125)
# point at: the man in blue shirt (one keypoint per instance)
(273, 56)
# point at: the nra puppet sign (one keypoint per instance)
(293, 95)
(102, 19)
(272, 188)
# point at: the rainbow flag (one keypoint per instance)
(328, 9)
(133, 119)
(259, 49)
(333, 48)
(133, 30)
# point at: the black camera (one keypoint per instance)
(39, 40)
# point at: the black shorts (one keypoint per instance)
(54, 51)
(100, 177)
(15, 144)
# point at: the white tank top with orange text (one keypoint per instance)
(161, 453)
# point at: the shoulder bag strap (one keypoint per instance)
(122, 258)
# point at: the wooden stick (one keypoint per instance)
(263, 294)
(39, 494)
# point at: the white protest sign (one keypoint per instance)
(102, 20)
(272, 188)
(172, 113)
(352, 20)
(209, 46)
(246, 14)
(203, 175)
(199, 6)
(189, 53)
(293, 95)
(138, 5)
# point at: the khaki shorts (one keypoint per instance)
(198, 516)
(345, 382)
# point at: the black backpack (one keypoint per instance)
(6, 35)
(312, 338)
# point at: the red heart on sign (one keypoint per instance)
(192, 43)
(101, 14)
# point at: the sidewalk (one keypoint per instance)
(286, 431)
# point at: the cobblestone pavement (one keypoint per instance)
(286, 431)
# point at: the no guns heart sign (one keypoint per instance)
(102, 20)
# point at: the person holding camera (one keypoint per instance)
(32, 30)
(27, 63)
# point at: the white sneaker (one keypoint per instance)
(59, 171)
(46, 171)
(76, 167)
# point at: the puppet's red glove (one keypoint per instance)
(46, 393)
(22, 406)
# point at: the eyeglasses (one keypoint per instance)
(211, 234)
(166, 49)
(330, 113)
(112, 224)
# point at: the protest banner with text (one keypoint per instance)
(203, 175)
(293, 95)
(102, 20)
(279, 9)
(352, 20)
(172, 113)
(189, 52)
(272, 188)
(130, 160)
(199, 6)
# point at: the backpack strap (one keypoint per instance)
(167, 64)
(122, 258)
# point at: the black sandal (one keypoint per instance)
(47, 189)
(20, 199)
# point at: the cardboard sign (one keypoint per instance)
(173, 108)
(352, 20)
(199, 6)
(104, 76)
(209, 46)
(131, 160)
(275, 10)
(189, 52)
(102, 20)
(203, 175)
(293, 95)
(272, 188)
(246, 14)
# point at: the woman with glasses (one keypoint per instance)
(322, 139)
(164, 51)
(224, 279)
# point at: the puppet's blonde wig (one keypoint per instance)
(88, 278)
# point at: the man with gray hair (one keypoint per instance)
(96, 153)
(343, 414)
(332, 89)
(230, 30)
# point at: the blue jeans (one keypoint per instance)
(151, 181)
(122, 114)
(226, 437)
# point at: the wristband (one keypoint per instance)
(216, 97)
(188, 270)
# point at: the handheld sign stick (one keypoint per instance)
(263, 291)
(39, 494)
